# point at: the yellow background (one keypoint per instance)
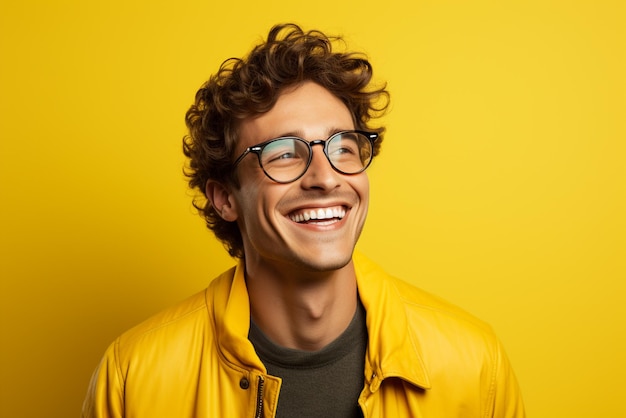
(501, 185)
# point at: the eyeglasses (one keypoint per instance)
(286, 159)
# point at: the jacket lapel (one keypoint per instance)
(392, 350)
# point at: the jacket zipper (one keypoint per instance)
(259, 398)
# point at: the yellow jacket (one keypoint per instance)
(425, 358)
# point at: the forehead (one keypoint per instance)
(307, 110)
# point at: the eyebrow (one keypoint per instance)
(300, 134)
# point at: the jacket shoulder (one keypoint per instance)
(420, 306)
(419, 300)
(181, 321)
(179, 312)
(436, 345)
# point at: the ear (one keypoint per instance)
(222, 200)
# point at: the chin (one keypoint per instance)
(324, 262)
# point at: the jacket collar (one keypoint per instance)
(230, 303)
(393, 350)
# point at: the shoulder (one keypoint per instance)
(436, 345)
(423, 310)
(443, 323)
(178, 324)
(419, 301)
(168, 321)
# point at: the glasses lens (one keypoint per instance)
(285, 159)
(350, 152)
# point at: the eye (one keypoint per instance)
(345, 147)
(283, 156)
(283, 151)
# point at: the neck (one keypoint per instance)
(305, 311)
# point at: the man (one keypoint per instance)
(279, 143)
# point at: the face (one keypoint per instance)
(313, 223)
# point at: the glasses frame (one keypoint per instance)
(258, 150)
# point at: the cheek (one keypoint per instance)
(363, 190)
(247, 202)
(362, 187)
(257, 202)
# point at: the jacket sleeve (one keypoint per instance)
(507, 398)
(105, 395)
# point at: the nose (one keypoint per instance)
(320, 174)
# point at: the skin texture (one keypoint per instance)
(300, 276)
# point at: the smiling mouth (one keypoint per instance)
(322, 216)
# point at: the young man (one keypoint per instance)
(279, 143)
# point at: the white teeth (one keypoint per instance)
(319, 214)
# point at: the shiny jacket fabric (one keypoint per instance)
(425, 358)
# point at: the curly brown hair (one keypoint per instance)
(250, 86)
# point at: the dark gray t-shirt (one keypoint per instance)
(325, 383)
